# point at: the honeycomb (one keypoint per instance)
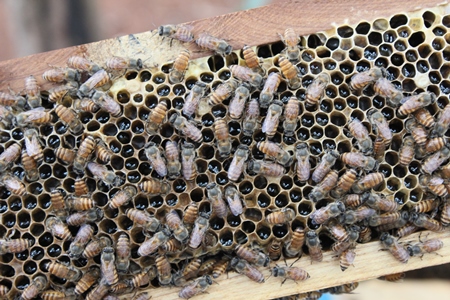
(413, 50)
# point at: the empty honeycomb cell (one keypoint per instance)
(410, 182)
(316, 67)
(282, 200)
(124, 223)
(401, 196)
(15, 203)
(263, 232)
(7, 271)
(416, 195)
(375, 38)
(339, 55)
(273, 189)
(21, 282)
(38, 215)
(277, 48)
(54, 250)
(360, 41)
(338, 118)
(108, 226)
(345, 31)
(240, 237)
(308, 55)
(428, 18)
(397, 60)
(434, 77)
(316, 132)
(123, 96)
(400, 172)
(364, 103)
(435, 60)
(385, 169)
(37, 253)
(216, 223)
(380, 24)
(422, 66)
(109, 129)
(24, 219)
(346, 44)
(442, 102)
(438, 44)
(130, 112)
(393, 184)
(323, 52)
(416, 39)
(445, 87)
(398, 20)
(102, 116)
(59, 171)
(45, 240)
(36, 229)
(263, 200)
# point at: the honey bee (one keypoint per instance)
(155, 158)
(434, 184)
(172, 246)
(13, 184)
(293, 247)
(322, 189)
(57, 94)
(381, 125)
(107, 103)
(108, 267)
(270, 124)
(122, 197)
(88, 280)
(406, 152)
(419, 249)
(36, 286)
(243, 267)
(60, 75)
(359, 214)
(6, 116)
(379, 147)
(269, 89)
(251, 118)
(190, 270)
(293, 273)
(274, 249)
(174, 223)
(425, 221)
(209, 42)
(365, 235)
(290, 72)
(193, 99)
(344, 184)
(196, 287)
(222, 135)
(83, 236)
(406, 230)
(86, 216)
(303, 167)
(84, 154)
(291, 40)
(282, 216)
(65, 155)
(95, 246)
(190, 214)
(237, 104)
(57, 295)
(327, 212)
(424, 117)
(328, 160)
(179, 32)
(33, 146)
(275, 151)
(445, 214)
(367, 182)
(346, 259)
(434, 161)
(252, 256)
(388, 218)
(363, 79)
(173, 161)
(380, 202)
(102, 173)
(102, 151)
(9, 156)
(151, 245)
(155, 187)
(98, 292)
(442, 123)
(116, 63)
(412, 103)
(234, 200)
(385, 88)
(338, 232)
(85, 104)
(83, 64)
(222, 92)
(164, 269)
(396, 277)
(316, 89)
(215, 196)
(180, 65)
(14, 245)
(58, 228)
(186, 128)
(291, 113)
(141, 279)
(252, 60)
(100, 78)
(33, 92)
(220, 266)
(79, 203)
(418, 132)
(361, 134)
(313, 243)
(266, 168)
(62, 271)
(35, 116)
(398, 251)
(142, 296)
(353, 200)
(434, 144)
(201, 225)
(359, 160)
(349, 243)
(143, 219)
(237, 164)
(188, 156)
(156, 117)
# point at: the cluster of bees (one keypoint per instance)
(179, 241)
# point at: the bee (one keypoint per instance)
(291, 113)
(62, 271)
(201, 225)
(425, 221)
(100, 78)
(222, 135)
(344, 183)
(368, 181)
(3, 290)
(346, 259)
(442, 123)
(359, 160)
(57, 94)
(252, 60)
(142, 296)
(349, 243)
(83, 64)
(14, 245)
(328, 160)
(385, 88)
(9, 156)
(412, 103)
(243, 267)
(363, 79)
(60, 75)
(108, 267)
(418, 132)
(156, 117)
(155, 158)
(79, 203)
(86, 216)
(190, 270)
(173, 221)
(188, 166)
(98, 292)
(13, 184)
(380, 202)
(434, 184)
(266, 168)
(252, 256)
(361, 134)
(83, 236)
(220, 266)
(180, 65)
(303, 167)
(282, 216)
(164, 269)
(406, 152)
(388, 218)
(291, 40)
(107, 103)
(102, 151)
(338, 232)
(315, 91)
(12, 101)
(186, 128)
(172, 246)
(269, 89)
(66, 155)
(290, 72)
(84, 154)
(35, 116)
(57, 295)
(381, 125)
(396, 277)
(293, 273)
(190, 214)
(237, 164)
(419, 249)
(102, 173)
(33, 145)
(274, 249)
(196, 287)
(359, 214)
(193, 99)
(313, 243)
(327, 212)
(445, 214)
(293, 247)
(151, 245)
(179, 32)
(88, 279)
(379, 147)
(275, 151)
(365, 235)
(57, 227)
(424, 117)
(85, 104)
(119, 63)
(406, 230)
(237, 104)
(36, 286)
(434, 161)
(94, 247)
(173, 161)
(122, 197)
(215, 196)
(222, 92)
(234, 200)
(322, 189)
(434, 144)
(398, 251)
(6, 116)
(251, 118)
(209, 42)
(141, 279)
(33, 92)
(353, 200)
(143, 219)
(270, 124)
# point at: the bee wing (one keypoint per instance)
(32, 146)
(409, 98)
(12, 183)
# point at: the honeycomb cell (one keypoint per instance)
(45, 240)
(380, 24)
(360, 41)
(401, 196)
(54, 250)
(332, 43)
(434, 77)
(24, 220)
(397, 60)
(416, 39)
(37, 215)
(428, 18)
(37, 253)
(416, 195)
(435, 60)
(216, 223)
(398, 20)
